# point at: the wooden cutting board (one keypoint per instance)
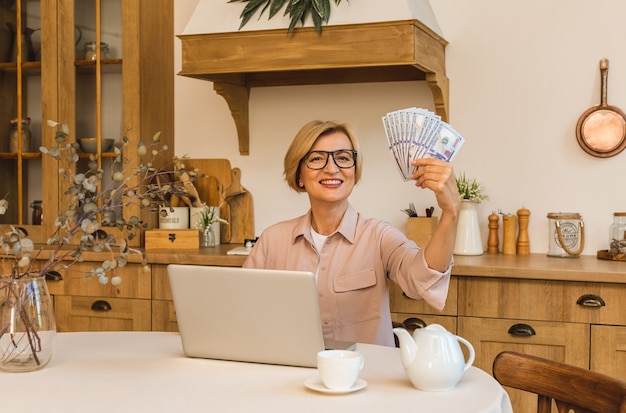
(213, 188)
(241, 210)
(218, 168)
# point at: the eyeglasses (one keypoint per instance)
(343, 158)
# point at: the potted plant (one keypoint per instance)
(204, 219)
(468, 237)
(470, 189)
(298, 11)
(27, 324)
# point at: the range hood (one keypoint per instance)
(396, 49)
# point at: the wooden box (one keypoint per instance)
(420, 229)
(172, 238)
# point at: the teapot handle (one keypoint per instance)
(470, 348)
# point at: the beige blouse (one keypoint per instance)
(353, 269)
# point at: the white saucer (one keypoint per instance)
(315, 383)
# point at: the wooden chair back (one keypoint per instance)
(573, 389)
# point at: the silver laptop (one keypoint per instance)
(251, 315)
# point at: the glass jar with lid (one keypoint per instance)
(37, 212)
(90, 51)
(13, 143)
(617, 233)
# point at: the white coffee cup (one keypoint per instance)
(339, 369)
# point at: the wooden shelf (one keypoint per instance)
(401, 50)
(106, 66)
(25, 155)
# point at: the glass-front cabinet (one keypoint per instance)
(103, 67)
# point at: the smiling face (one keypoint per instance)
(330, 184)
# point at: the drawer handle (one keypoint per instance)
(414, 323)
(522, 330)
(406, 296)
(101, 305)
(54, 276)
(591, 300)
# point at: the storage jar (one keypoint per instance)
(617, 233)
(566, 234)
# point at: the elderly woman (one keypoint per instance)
(354, 257)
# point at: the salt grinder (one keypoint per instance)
(508, 239)
(492, 241)
(523, 242)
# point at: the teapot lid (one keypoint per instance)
(436, 329)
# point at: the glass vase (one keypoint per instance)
(27, 324)
(468, 238)
(207, 237)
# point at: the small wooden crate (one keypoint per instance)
(420, 229)
(613, 256)
(172, 238)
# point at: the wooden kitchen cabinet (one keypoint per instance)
(560, 320)
(163, 313)
(129, 92)
(78, 313)
(608, 350)
(404, 308)
(565, 342)
(83, 304)
(576, 309)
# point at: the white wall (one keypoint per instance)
(521, 74)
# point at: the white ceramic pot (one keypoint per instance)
(468, 238)
(174, 218)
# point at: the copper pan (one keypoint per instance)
(601, 130)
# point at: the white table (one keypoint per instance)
(147, 372)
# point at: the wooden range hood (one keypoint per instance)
(402, 50)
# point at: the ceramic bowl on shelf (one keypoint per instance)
(89, 145)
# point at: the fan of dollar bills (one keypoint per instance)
(415, 133)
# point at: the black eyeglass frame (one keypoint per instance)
(330, 154)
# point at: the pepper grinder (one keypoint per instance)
(523, 242)
(508, 239)
(492, 241)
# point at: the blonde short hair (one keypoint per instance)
(304, 141)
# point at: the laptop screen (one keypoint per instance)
(243, 314)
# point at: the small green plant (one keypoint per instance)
(298, 11)
(208, 216)
(470, 189)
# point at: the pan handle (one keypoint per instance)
(604, 74)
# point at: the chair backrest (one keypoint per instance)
(572, 388)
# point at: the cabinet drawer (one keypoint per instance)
(608, 350)
(580, 302)
(564, 342)
(448, 322)
(79, 313)
(400, 303)
(135, 282)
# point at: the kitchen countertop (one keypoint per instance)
(197, 256)
(586, 268)
(541, 267)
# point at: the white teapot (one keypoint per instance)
(432, 358)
